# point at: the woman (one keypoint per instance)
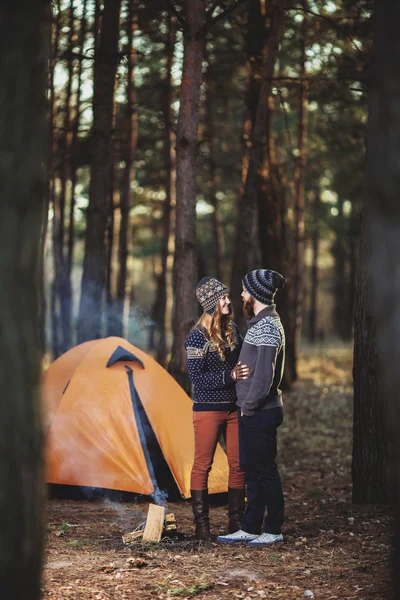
(213, 349)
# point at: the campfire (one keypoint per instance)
(158, 524)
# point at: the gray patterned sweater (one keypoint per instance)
(263, 351)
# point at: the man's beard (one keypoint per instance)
(248, 308)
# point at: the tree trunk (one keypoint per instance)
(299, 188)
(24, 55)
(95, 258)
(126, 191)
(313, 326)
(216, 232)
(55, 341)
(369, 445)
(73, 170)
(160, 304)
(185, 267)
(382, 252)
(340, 311)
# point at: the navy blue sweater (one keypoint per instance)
(213, 388)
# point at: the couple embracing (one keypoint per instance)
(236, 393)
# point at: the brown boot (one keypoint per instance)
(236, 503)
(200, 511)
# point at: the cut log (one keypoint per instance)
(154, 524)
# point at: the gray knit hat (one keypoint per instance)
(209, 291)
(262, 284)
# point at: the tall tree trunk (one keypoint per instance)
(299, 190)
(216, 231)
(247, 236)
(160, 304)
(55, 340)
(185, 267)
(313, 325)
(369, 444)
(74, 173)
(126, 190)
(382, 252)
(95, 258)
(24, 55)
(340, 311)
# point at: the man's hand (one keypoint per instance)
(240, 371)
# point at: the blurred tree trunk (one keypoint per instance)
(246, 254)
(54, 314)
(95, 258)
(369, 467)
(382, 255)
(299, 180)
(340, 286)
(130, 127)
(160, 304)
(216, 231)
(24, 55)
(74, 171)
(112, 235)
(313, 325)
(185, 266)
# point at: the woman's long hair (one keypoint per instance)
(219, 329)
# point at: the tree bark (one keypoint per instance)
(126, 191)
(369, 472)
(95, 258)
(24, 55)
(185, 267)
(382, 251)
(313, 325)
(216, 231)
(299, 178)
(160, 304)
(54, 314)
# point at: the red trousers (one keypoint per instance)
(208, 425)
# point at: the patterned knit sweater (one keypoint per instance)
(213, 388)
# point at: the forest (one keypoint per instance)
(144, 146)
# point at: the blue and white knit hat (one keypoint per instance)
(209, 291)
(262, 284)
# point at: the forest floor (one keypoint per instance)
(333, 550)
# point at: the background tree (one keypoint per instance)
(382, 245)
(24, 55)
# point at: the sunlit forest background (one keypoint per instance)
(126, 58)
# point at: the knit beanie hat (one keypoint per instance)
(262, 284)
(209, 291)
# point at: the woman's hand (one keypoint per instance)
(240, 371)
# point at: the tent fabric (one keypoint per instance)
(94, 434)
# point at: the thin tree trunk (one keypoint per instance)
(24, 55)
(217, 236)
(55, 341)
(160, 304)
(65, 158)
(185, 268)
(299, 188)
(95, 258)
(313, 327)
(74, 173)
(126, 191)
(382, 254)
(341, 281)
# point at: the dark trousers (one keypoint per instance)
(258, 449)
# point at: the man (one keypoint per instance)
(261, 413)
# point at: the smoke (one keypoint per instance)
(160, 497)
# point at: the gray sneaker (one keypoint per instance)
(266, 539)
(238, 536)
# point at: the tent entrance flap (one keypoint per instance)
(159, 470)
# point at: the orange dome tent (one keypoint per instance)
(93, 397)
